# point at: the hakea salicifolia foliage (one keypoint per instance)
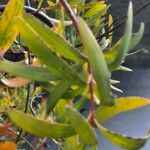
(71, 57)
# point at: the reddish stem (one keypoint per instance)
(70, 12)
(91, 116)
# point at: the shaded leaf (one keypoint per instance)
(81, 126)
(78, 105)
(121, 105)
(125, 43)
(56, 94)
(8, 29)
(73, 92)
(28, 72)
(39, 127)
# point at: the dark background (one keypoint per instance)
(119, 8)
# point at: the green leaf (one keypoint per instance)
(81, 126)
(39, 127)
(73, 92)
(121, 105)
(53, 62)
(113, 51)
(123, 141)
(97, 62)
(28, 72)
(56, 94)
(81, 146)
(93, 147)
(60, 111)
(125, 43)
(136, 38)
(71, 143)
(8, 29)
(111, 54)
(76, 1)
(110, 26)
(53, 40)
(78, 105)
(95, 9)
(40, 3)
(84, 6)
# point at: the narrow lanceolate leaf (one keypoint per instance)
(81, 126)
(95, 9)
(123, 141)
(136, 38)
(39, 127)
(125, 44)
(113, 51)
(111, 54)
(71, 143)
(8, 31)
(56, 94)
(121, 105)
(97, 62)
(28, 72)
(46, 56)
(122, 68)
(54, 41)
(81, 146)
(110, 26)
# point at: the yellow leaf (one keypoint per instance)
(121, 105)
(6, 102)
(8, 146)
(112, 53)
(95, 9)
(8, 30)
(110, 26)
(60, 29)
(123, 141)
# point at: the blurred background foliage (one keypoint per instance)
(119, 8)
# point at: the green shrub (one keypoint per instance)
(71, 57)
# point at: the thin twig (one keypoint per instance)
(11, 130)
(91, 115)
(135, 52)
(40, 15)
(70, 13)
